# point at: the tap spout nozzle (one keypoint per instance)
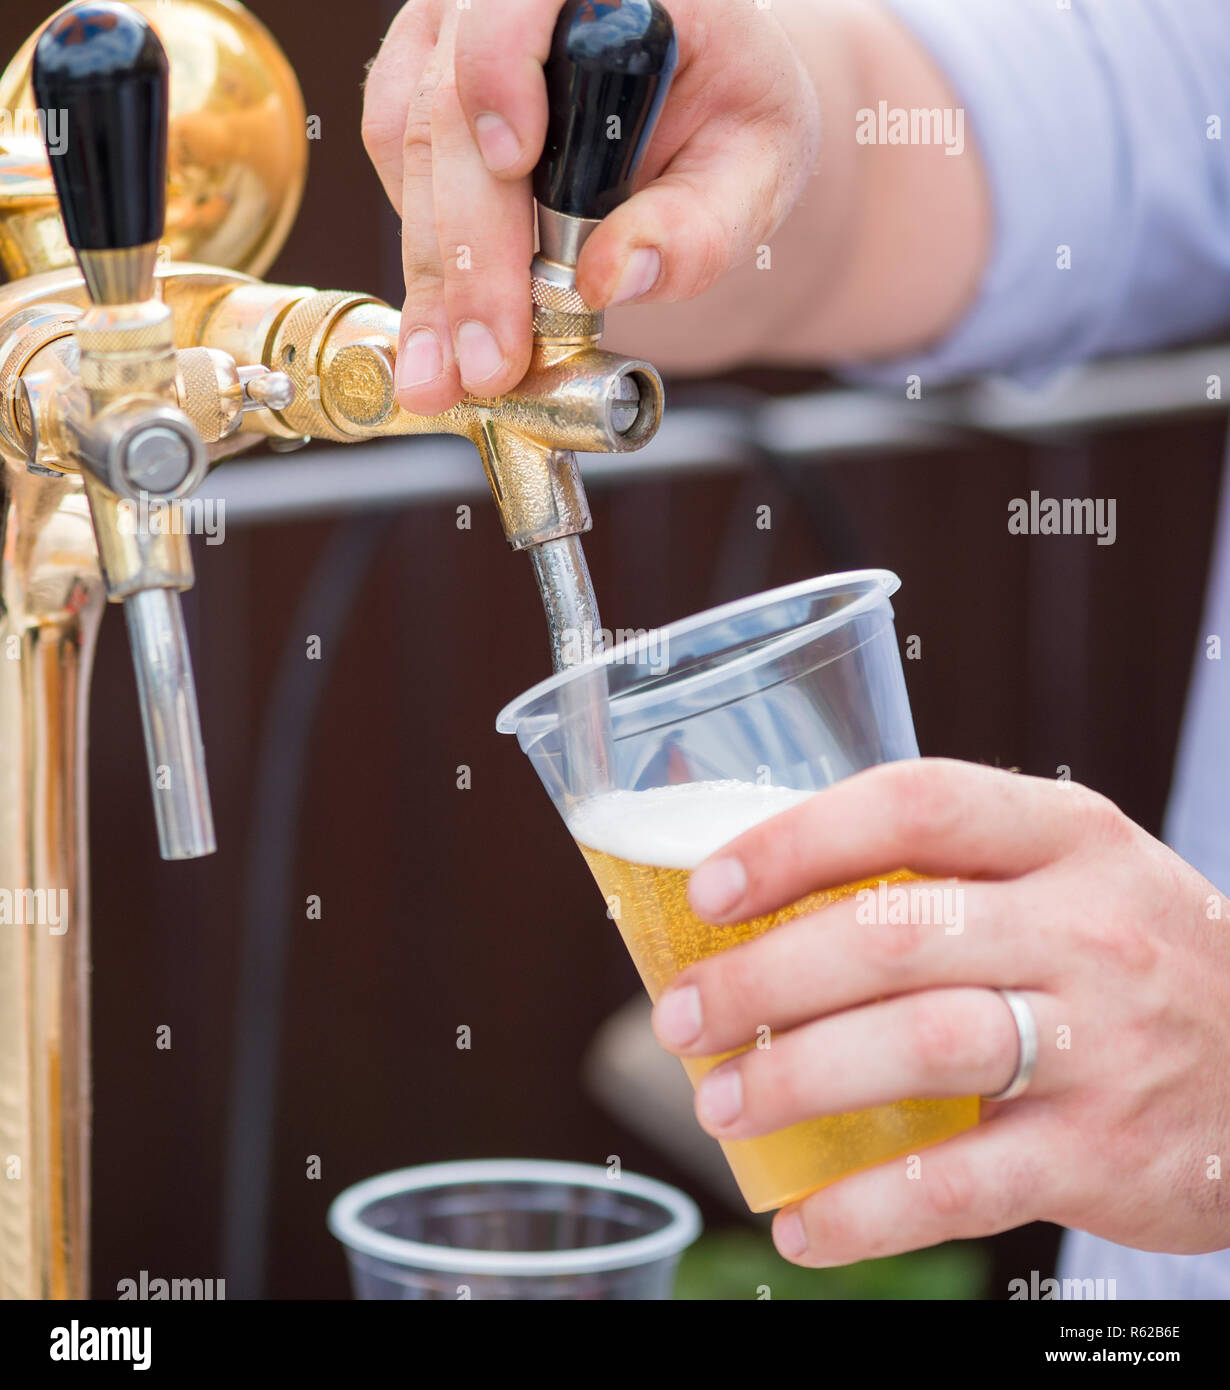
(176, 754)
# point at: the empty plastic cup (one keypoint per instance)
(507, 1228)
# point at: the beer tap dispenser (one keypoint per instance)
(106, 72)
(128, 368)
(607, 77)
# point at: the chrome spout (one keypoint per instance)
(173, 746)
(569, 600)
(576, 635)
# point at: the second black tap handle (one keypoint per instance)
(608, 73)
(103, 66)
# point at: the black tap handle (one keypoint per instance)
(608, 73)
(103, 66)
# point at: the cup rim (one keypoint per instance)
(880, 584)
(343, 1220)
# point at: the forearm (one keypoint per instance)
(885, 249)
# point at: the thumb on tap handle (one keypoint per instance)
(105, 68)
(608, 73)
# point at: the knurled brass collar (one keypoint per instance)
(209, 391)
(297, 352)
(561, 315)
(553, 327)
(563, 299)
(127, 349)
(116, 327)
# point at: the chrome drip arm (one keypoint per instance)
(167, 693)
(568, 599)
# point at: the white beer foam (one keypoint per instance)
(676, 827)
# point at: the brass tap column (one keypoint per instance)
(98, 409)
(607, 76)
(133, 439)
(122, 381)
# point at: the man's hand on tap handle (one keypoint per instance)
(455, 118)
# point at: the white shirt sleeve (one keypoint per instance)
(1104, 126)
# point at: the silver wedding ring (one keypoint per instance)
(1027, 1045)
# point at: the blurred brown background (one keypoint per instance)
(444, 907)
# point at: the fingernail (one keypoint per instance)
(497, 142)
(720, 1096)
(478, 353)
(716, 887)
(677, 1018)
(640, 275)
(420, 359)
(789, 1235)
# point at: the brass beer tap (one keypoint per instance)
(137, 351)
(117, 416)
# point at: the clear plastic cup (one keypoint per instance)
(509, 1228)
(716, 723)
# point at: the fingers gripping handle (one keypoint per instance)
(608, 74)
